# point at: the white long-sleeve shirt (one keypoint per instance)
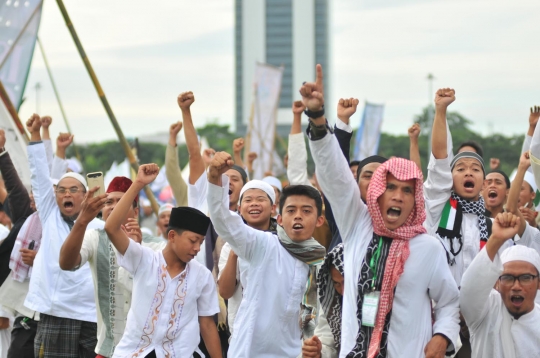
(53, 291)
(437, 191)
(494, 332)
(267, 322)
(425, 277)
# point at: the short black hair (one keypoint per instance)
(175, 229)
(353, 163)
(304, 190)
(506, 179)
(471, 143)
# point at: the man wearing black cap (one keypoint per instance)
(173, 295)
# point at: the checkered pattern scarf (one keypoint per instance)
(477, 208)
(403, 170)
(32, 232)
(329, 298)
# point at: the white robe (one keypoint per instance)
(267, 322)
(426, 275)
(494, 332)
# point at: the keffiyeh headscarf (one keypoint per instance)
(329, 298)
(403, 170)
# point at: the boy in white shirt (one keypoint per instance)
(172, 293)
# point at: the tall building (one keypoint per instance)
(292, 33)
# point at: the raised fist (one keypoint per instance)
(147, 173)
(312, 92)
(46, 121)
(33, 124)
(414, 131)
(444, 97)
(346, 108)
(175, 128)
(185, 100)
(221, 162)
(64, 140)
(207, 156)
(525, 160)
(533, 117)
(494, 163)
(298, 107)
(238, 145)
(505, 226)
(251, 157)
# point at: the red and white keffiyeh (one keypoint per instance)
(403, 170)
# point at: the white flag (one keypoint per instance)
(369, 131)
(18, 19)
(262, 127)
(15, 145)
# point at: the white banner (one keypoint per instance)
(369, 131)
(15, 145)
(262, 127)
(19, 19)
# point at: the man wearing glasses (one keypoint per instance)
(498, 296)
(65, 300)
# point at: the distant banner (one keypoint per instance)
(15, 145)
(369, 131)
(19, 21)
(262, 127)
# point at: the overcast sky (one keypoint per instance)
(145, 53)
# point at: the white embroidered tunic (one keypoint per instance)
(164, 313)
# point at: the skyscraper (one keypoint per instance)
(292, 33)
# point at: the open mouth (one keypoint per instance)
(298, 227)
(254, 212)
(68, 205)
(230, 191)
(469, 184)
(393, 212)
(517, 300)
(492, 194)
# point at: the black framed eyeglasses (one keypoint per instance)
(72, 190)
(509, 280)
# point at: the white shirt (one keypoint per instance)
(197, 199)
(233, 303)
(437, 191)
(164, 314)
(425, 277)
(494, 332)
(267, 322)
(53, 291)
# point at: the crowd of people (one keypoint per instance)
(361, 259)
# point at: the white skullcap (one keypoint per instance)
(74, 176)
(164, 208)
(521, 253)
(74, 165)
(529, 178)
(259, 184)
(274, 182)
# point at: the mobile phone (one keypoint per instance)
(31, 245)
(96, 179)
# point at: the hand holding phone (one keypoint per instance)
(96, 179)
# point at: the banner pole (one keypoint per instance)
(101, 94)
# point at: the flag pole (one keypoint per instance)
(57, 95)
(125, 145)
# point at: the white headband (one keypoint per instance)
(164, 208)
(76, 176)
(521, 253)
(274, 182)
(259, 184)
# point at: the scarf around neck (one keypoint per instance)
(451, 219)
(403, 170)
(331, 301)
(311, 253)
